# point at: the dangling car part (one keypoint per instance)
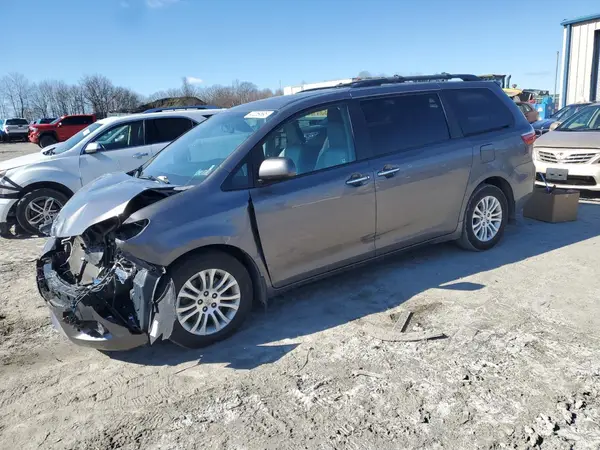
(97, 294)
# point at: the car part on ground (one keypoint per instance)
(264, 197)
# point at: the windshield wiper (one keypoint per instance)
(160, 179)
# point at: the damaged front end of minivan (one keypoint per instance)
(99, 295)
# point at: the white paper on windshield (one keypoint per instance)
(86, 132)
(258, 114)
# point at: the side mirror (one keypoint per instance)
(275, 169)
(59, 124)
(93, 147)
(554, 126)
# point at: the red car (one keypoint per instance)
(60, 130)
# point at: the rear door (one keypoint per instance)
(160, 132)
(324, 217)
(123, 149)
(420, 172)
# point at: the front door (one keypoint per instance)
(123, 149)
(324, 217)
(420, 174)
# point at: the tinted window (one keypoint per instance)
(166, 130)
(77, 120)
(404, 122)
(331, 146)
(479, 110)
(122, 136)
(16, 122)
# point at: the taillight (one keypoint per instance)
(529, 137)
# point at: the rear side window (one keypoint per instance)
(16, 122)
(479, 110)
(77, 120)
(167, 129)
(405, 122)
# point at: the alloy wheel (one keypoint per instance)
(487, 218)
(208, 301)
(42, 211)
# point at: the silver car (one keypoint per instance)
(569, 156)
(279, 192)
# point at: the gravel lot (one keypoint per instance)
(519, 366)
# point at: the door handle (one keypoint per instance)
(388, 171)
(139, 155)
(357, 179)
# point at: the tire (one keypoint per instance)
(473, 236)
(199, 307)
(24, 215)
(47, 140)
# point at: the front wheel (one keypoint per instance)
(214, 297)
(47, 140)
(38, 208)
(485, 219)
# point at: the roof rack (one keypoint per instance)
(369, 82)
(180, 108)
(420, 78)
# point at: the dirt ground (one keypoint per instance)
(519, 366)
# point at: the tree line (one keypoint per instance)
(19, 97)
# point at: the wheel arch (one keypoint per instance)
(258, 282)
(503, 184)
(49, 185)
(48, 133)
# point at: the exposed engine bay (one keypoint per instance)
(101, 296)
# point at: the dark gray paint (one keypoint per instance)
(314, 224)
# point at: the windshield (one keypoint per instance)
(77, 138)
(588, 119)
(199, 152)
(58, 119)
(16, 122)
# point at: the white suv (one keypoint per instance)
(33, 188)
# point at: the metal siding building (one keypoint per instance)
(580, 75)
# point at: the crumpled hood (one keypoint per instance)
(569, 139)
(102, 199)
(543, 124)
(23, 161)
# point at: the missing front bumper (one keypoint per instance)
(125, 322)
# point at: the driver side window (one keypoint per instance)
(316, 140)
(122, 136)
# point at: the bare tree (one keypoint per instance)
(99, 93)
(41, 99)
(16, 88)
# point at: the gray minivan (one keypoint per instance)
(278, 192)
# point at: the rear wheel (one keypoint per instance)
(214, 297)
(485, 219)
(47, 140)
(38, 208)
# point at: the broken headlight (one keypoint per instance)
(131, 229)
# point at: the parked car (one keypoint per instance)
(14, 129)
(60, 129)
(545, 125)
(278, 192)
(528, 111)
(569, 157)
(34, 187)
(1, 130)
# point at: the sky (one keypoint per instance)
(149, 45)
